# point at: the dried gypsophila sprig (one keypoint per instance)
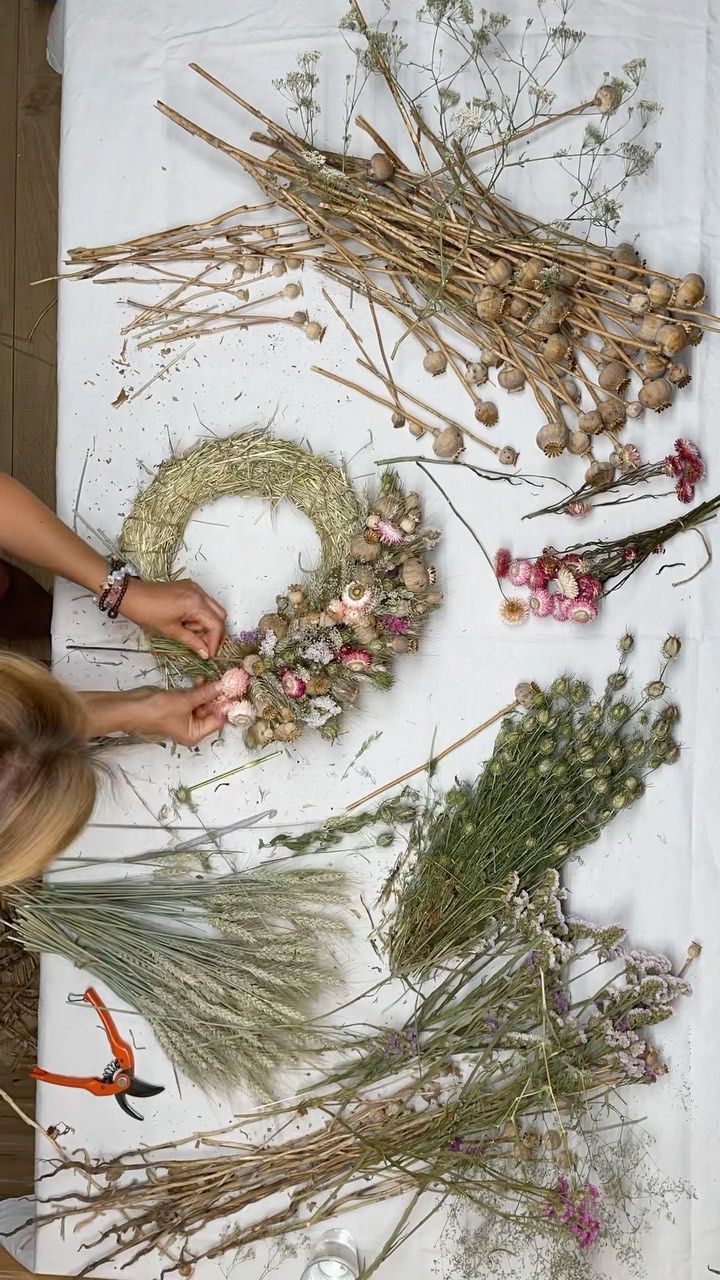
(570, 585)
(483, 1095)
(563, 765)
(684, 466)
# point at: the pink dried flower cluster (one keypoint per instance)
(686, 467)
(575, 1211)
(232, 687)
(559, 587)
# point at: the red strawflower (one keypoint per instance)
(590, 587)
(502, 562)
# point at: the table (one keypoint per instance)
(126, 170)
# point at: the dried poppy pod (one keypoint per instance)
(529, 273)
(626, 258)
(571, 389)
(551, 315)
(654, 365)
(299, 317)
(656, 395)
(591, 422)
(491, 358)
(519, 309)
(578, 443)
(278, 269)
(613, 414)
(381, 167)
(491, 304)
(694, 333)
(511, 379)
(659, 293)
(635, 409)
(556, 349)
(417, 430)
(614, 377)
(486, 412)
(314, 331)
(414, 575)
(678, 374)
(292, 290)
(253, 262)
(650, 328)
(639, 303)
(476, 372)
(599, 473)
(500, 272)
(507, 456)
(607, 99)
(364, 549)
(690, 291)
(552, 439)
(448, 443)
(293, 262)
(671, 338)
(435, 362)
(398, 419)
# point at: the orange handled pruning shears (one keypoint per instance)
(118, 1078)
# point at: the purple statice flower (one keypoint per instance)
(249, 637)
(392, 1047)
(492, 1024)
(575, 1210)
(465, 1148)
(561, 1003)
(396, 626)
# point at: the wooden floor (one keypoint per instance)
(29, 140)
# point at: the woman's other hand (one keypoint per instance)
(185, 716)
(179, 610)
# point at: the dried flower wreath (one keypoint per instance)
(304, 662)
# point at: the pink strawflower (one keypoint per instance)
(502, 562)
(685, 491)
(396, 626)
(629, 457)
(538, 576)
(578, 509)
(293, 686)
(519, 572)
(571, 560)
(541, 603)
(691, 456)
(581, 610)
(590, 588)
(355, 659)
(233, 683)
(336, 609)
(388, 533)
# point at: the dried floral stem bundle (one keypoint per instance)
(484, 1097)
(569, 585)
(205, 961)
(563, 766)
(477, 284)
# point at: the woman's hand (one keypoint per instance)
(185, 716)
(179, 610)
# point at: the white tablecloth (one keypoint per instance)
(125, 170)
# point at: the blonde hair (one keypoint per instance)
(47, 777)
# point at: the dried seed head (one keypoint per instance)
(520, 309)
(649, 328)
(656, 395)
(381, 167)
(552, 439)
(671, 338)
(627, 259)
(293, 262)
(278, 269)
(635, 409)
(678, 375)
(449, 443)
(608, 99)
(654, 365)
(507, 456)
(398, 419)
(659, 293)
(486, 412)
(529, 272)
(314, 331)
(500, 272)
(238, 272)
(693, 951)
(267, 233)
(578, 443)
(639, 303)
(476, 372)
(253, 262)
(491, 358)
(417, 430)
(694, 334)
(299, 317)
(292, 290)
(511, 379)
(551, 315)
(572, 390)
(614, 377)
(599, 473)
(691, 291)
(491, 304)
(435, 362)
(556, 349)
(364, 548)
(672, 647)
(414, 575)
(591, 422)
(613, 413)
(525, 693)
(655, 689)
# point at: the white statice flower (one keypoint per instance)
(321, 710)
(318, 651)
(268, 644)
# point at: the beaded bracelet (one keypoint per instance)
(112, 592)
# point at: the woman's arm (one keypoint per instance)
(185, 716)
(180, 610)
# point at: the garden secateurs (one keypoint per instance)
(118, 1079)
